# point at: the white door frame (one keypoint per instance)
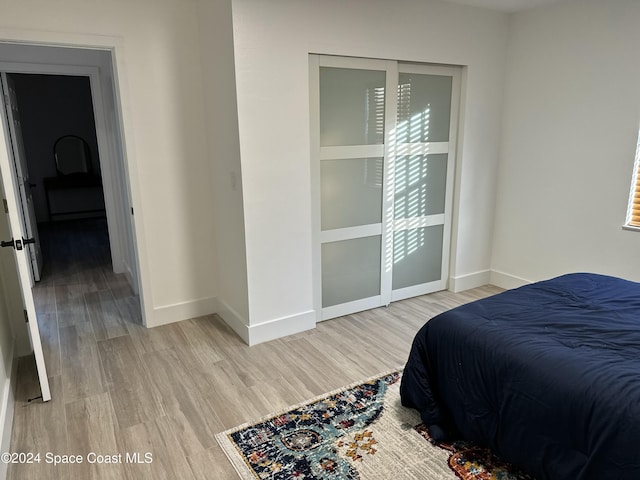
(119, 144)
(110, 183)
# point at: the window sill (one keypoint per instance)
(631, 228)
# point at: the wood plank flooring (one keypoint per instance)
(118, 387)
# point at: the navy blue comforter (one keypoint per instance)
(546, 375)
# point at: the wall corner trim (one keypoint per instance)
(182, 311)
(281, 327)
(266, 331)
(470, 280)
(506, 280)
(234, 320)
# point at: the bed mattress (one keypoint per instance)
(546, 375)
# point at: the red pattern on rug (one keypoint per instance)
(470, 462)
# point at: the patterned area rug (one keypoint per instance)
(359, 432)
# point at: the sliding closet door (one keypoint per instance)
(381, 176)
(350, 146)
(423, 165)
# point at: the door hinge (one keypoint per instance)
(26, 316)
(131, 210)
(6, 207)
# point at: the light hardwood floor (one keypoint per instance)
(118, 387)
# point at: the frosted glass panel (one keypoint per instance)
(350, 270)
(417, 256)
(351, 192)
(424, 108)
(351, 106)
(421, 182)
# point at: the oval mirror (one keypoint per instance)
(72, 155)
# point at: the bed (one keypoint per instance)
(546, 375)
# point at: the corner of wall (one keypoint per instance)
(182, 311)
(131, 279)
(232, 318)
(506, 280)
(281, 327)
(486, 277)
(468, 281)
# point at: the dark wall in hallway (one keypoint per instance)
(52, 106)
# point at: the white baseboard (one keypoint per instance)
(471, 280)
(506, 280)
(251, 334)
(133, 283)
(486, 277)
(182, 311)
(266, 331)
(124, 268)
(281, 327)
(232, 318)
(7, 405)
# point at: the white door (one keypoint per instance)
(382, 138)
(17, 222)
(24, 185)
(351, 109)
(422, 160)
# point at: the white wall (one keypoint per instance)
(216, 34)
(159, 80)
(272, 43)
(572, 113)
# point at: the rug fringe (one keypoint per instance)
(235, 457)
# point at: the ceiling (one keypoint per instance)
(505, 5)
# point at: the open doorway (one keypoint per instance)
(66, 72)
(66, 101)
(62, 158)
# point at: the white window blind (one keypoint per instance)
(633, 212)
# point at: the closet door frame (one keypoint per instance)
(319, 154)
(431, 148)
(387, 152)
